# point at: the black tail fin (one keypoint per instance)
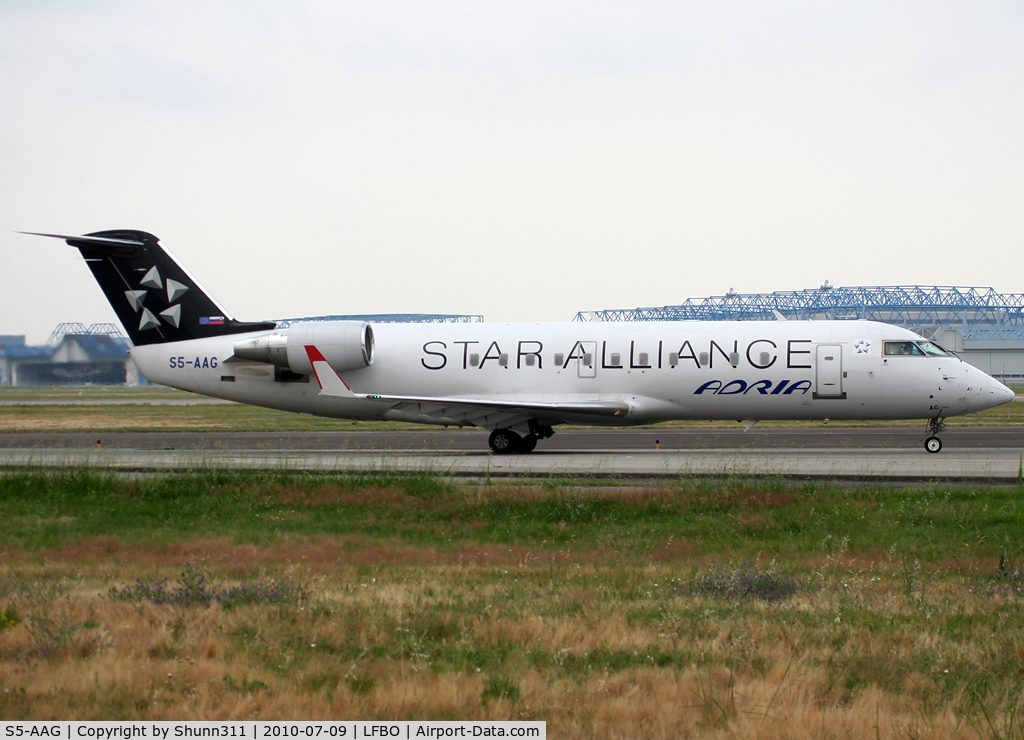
(156, 299)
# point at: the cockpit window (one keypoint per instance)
(930, 348)
(902, 348)
(920, 349)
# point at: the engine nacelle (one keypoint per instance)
(347, 345)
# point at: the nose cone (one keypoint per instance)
(1000, 393)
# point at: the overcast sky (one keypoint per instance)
(519, 160)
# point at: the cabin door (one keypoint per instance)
(829, 372)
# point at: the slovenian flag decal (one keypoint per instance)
(208, 320)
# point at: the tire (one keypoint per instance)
(933, 444)
(504, 442)
(528, 444)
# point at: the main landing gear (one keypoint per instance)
(935, 427)
(507, 442)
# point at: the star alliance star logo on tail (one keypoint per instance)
(171, 314)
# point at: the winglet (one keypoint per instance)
(327, 377)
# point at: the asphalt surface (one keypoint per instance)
(566, 441)
(991, 454)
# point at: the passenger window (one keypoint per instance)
(765, 358)
(588, 359)
(503, 360)
(559, 357)
(615, 358)
(903, 348)
(704, 357)
(531, 360)
(673, 359)
(643, 358)
(474, 359)
(734, 359)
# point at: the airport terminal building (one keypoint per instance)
(74, 355)
(984, 327)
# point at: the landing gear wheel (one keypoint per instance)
(936, 427)
(528, 444)
(504, 442)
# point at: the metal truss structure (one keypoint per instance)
(976, 313)
(93, 330)
(392, 318)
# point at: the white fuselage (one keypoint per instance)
(662, 370)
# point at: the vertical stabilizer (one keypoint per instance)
(155, 297)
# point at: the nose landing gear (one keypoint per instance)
(935, 427)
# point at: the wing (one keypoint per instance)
(488, 413)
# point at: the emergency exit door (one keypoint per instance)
(829, 372)
(588, 360)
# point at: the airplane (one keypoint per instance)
(521, 380)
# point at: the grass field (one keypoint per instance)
(90, 392)
(142, 417)
(736, 608)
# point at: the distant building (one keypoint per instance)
(74, 355)
(390, 318)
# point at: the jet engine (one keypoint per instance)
(347, 345)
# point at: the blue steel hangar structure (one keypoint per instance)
(985, 327)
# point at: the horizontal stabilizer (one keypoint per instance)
(94, 241)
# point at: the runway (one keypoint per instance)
(970, 454)
(568, 440)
